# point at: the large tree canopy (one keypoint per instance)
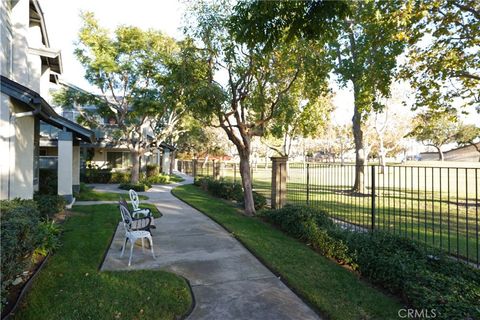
(144, 83)
(257, 84)
(444, 63)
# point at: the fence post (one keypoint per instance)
(373, 197)
(279, 182)
(308, 184)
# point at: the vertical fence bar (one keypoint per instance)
(308, 184)
(466, 213)
(373, 197)
(476, 213)
(458, 215)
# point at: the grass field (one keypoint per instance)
(438, 206)
(72, 287)
(335, 291)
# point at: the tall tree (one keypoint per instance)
(302, 117)
(365, 39)
(366, 52)
(468, 135)
(444, 64)
(255, 86)
(435, 129)
(141, 76)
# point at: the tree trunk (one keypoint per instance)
(440, 154)
(247, 183)
(173, 154)
(359, 183)
(135, 172)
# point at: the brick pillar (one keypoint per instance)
(279, 182)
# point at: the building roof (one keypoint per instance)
(34, 101)
(52, 58)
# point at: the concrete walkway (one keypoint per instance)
(227, 281)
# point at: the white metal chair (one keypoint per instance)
(133, 235)
(136, 205)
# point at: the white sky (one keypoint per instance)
(63, 22)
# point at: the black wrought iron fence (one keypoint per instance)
(438, 206)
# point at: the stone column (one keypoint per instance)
(166, 161)
(76, 168)
(65, 165)
(279, 182)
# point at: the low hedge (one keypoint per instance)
(425, 278)
(23, 233)
(228, 190)
(159, 178)
(49, 205)
(139, 187)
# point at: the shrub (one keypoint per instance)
(424, 277)
(139, 187)
(98, 176)
(259, 200)
(228, 190)
(50, 237)
(120, 177)
(311, 226)
(152, 170)
(48, 181)
(20, 236)
(49, 205)
(158, 179)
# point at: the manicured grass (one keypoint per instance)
(89, 194)
(415, 202)
(336, 292)
(72, 287)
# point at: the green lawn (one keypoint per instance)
(421, 203)
(72, 287)
(336, 292)
(89, 194)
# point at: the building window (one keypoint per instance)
(118, 159)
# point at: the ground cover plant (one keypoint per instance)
(72, 287)
(333, 290)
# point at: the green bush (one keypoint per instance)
(49, 205)
(259, 200)
(139, 187)
(20, 237)
(120, 177)
(158, 179)
(423, 277)
(97, 176)
(47, 181)
(311, 226)
(152, 170)
(228, 190)
(50, 237)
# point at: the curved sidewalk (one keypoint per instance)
(227, 281)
